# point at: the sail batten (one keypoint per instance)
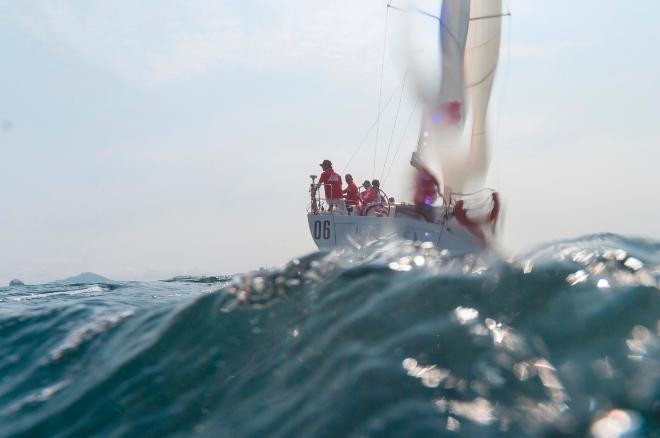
(488, 75)
(486, 17)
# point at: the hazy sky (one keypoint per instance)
(142, 140)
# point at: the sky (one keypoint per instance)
(143, 140)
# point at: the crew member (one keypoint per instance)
(375, 185)
(371, 199)
(351, 195)
(475, 226)
(331, 182)
(426, 189)
(367, 196)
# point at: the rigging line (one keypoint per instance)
(428, 14)
(380, 91)
(403, 136)
(484, 189)
(419, 11)
(396, 118)
(373, 125)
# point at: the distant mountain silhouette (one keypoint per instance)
(16, 282)
(84, 277)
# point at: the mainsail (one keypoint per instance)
(482, 53)
(469, 42)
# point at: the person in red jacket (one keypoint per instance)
(367, 196)
(426, 189)
(472, 225)
(476, 226)
(371, 199)
(331, 182)
(351, 194)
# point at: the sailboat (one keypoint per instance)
(469, 32)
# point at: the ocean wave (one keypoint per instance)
(399, 339)
(48, 294)
(208, 279)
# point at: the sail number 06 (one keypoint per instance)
(321, 230)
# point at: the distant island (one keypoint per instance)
(16, 282)
(84, 277)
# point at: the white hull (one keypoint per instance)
(330, 231)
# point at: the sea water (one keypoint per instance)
(397, 339)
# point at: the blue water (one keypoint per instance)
(399, 340)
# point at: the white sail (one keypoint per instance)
(481, 56)
(453, 30)
(470, 41)
(444, 112)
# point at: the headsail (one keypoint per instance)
(469, 42)
(444, 112)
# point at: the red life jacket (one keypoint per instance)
(351, 194)
(331, 181)
(368, 196)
